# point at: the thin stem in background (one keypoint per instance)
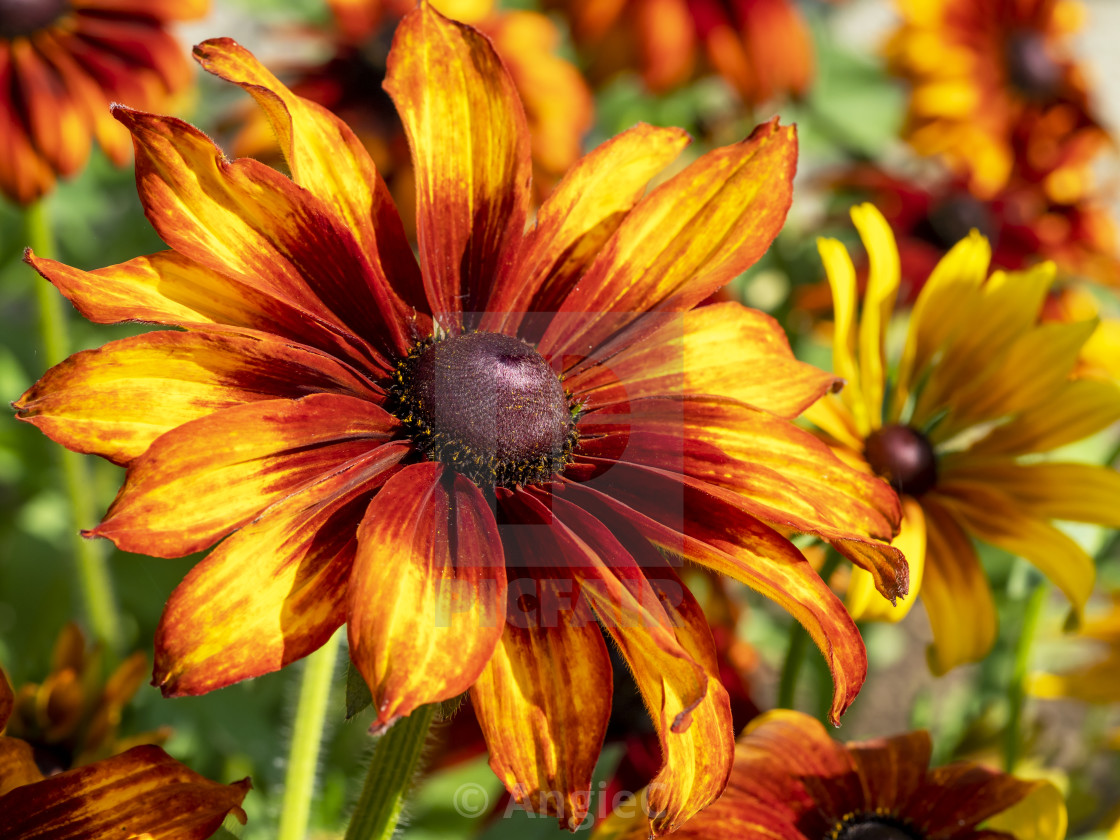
(307, 739)
(90, 556)
(1016, 687)
(391, 769)
(798, 644)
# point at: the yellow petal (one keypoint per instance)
(723, 349)
(273, 592)
(683, 241)
(575, 220)
(955, 592)
(116, 400)
(863, 602)
(878, 303)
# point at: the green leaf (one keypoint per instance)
(358, 698)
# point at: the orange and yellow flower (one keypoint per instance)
(1023, 226)
(473, 462)
(61, 63)
(762, 48)
(142, 792)
(791, 781)
(71, 718)
(558, 105)
(996, 92)
(981, 391)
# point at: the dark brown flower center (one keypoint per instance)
(873, 826)
(22, 17)
(904, 457)
(1030, 69)
(488, 406)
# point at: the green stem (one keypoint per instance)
(798, 644)
(307, 739)
(90, 556)
(1016, 689)
(390, 773)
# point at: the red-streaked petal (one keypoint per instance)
(470, 151)
(246, 220)
(688, 521)
(168, 288)
(198, 482)
(678, 682)
(24, 174)
(892, 770)
(544, 699)
(575, 220)
(273, 592)
(966, 793)
(57, 125)
(683, 241)
(428, 594)
(777, 472)
(116, 400)
(326, 157)
(723, 349)
(140, 793)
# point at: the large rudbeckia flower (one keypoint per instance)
(981, 391)
(472, 462)
(761, 48)
(143, 792)
(61, 63)
(791, 781)
(995, 88)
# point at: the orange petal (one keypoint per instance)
(772, 469)
(168, 288)
(198, 482)
(141, 793)
(17, 766)
(470, 151)
(116, 400)
(544, 698)
(246, 220)
(686, 239)
(428, 593)
(664, 637)
(686, 520)
(575, 220)
(723, 349)
(273, 592)
(24, 174)
(326, 157)
(59, 128)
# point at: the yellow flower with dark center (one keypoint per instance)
(142, 792)
(791, 781)
(474, 462)
(981, 391)
(61, 63)
(996, 90)
(71, 718)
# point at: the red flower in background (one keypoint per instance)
(61, 63)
